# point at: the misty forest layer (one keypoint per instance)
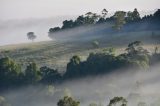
(117, 63)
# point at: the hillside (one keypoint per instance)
(88, 62)
(56, 54)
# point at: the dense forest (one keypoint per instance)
(12, 75)
(121, 20)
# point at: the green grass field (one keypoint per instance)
(56, 54)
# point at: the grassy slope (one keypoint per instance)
(56, 54)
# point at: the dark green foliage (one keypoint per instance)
(50, 75)
(9, 72)
(119, 100)
(87, 19)
(137, 54)
(91, 18)
(68, 101)
(156, 15)
(80, 21)
(119, 19)
(32, 73)
(133, 16)
(99, 63)
(67, 24)
(54, 29)
(95, 64)
(104, 13)
(73, 67)
(106, 61)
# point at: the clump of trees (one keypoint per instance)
(49, 75)
(119, 19)
(9, 72)
(68, 101)
(87, 19)
(99, 63)
(12, 75)
(122, 17)
(118, 100)
(133, 16)
(32, 73)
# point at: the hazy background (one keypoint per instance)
(17, 17)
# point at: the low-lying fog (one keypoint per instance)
(135, 86)
(15, 31)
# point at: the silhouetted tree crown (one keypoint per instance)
(31, 36)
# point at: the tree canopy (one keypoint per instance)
(31, 36)
(68, 101)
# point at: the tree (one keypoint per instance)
(156, 16)
(55, 29)
(31, 36)
(137, 55)
(104, 13)
(129, 17)
(120, 19)
(9, 71)
(67, 24)
(72, 67)
(118, 100)
(136, 48)
(133, 16)
(136, 15)
(80, 21)
(32, 73)
(91, 18)
(50, 75)
(68, 101)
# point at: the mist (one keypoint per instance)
(15, 31)
(136, 86)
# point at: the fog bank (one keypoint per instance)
(135, 86)
(15, 31)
